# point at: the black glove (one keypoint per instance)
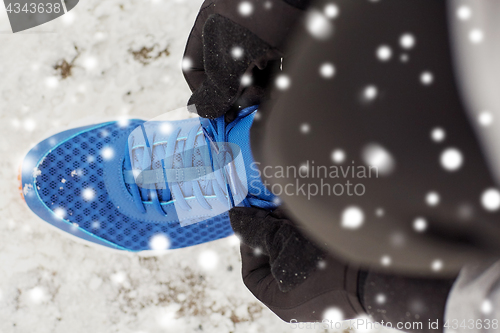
(225, 44)
(323, 281)
(287, 272)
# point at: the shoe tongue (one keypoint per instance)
(240, 135)
(150, 153)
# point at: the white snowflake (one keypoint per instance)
(208, 259)
(407, 41)
(352, 217)
(385, 260)
(476, 36)
(370, 93)
(437, 265)
(245, 8)
(338, 156)
(485, 118)
(427, 78)
(374, 155)
(159, 242)
(318, 25)
(420, 224)
(451, 159)
(464, 13)
(327, 70)
(438, 134)
(331, 10)
(384, 53)
(305, 128)
(490, 199)
(432, 198)
(283, 82)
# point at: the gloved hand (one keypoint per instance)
(231, 39)
(287, 272)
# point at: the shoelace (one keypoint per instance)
(219, 179)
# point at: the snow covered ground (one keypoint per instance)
(104, 59)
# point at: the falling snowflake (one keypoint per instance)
(404, 58)
(374, 155)
(352, 218)
(159, 242)
(234, 240)
(245, 8)
(187, 64)
(166, 127)
(88, 194)
(237, 52)
(52, 81)
(490, 199)
(305, 128)
(123, 122)
(208, 259)
(427, 78)
(476, 36)
(246, 80)
(437, 265)
(283, 82)
(68, 18)
(379, 212)
(380, 298)
(107, 153)
(438, 134)
(29, 124)
(60, 212)
(331, 10)
(432, 198)
(407, 41)
(385, 260)
(486, 307)
(420, 224)
(38, 295)
(451, 159)
(485, 118)
(333, 314)
(338, 156)
(398, 239)
(327, 70)
(384, 53)
(118, 277)
(464, 13)
(90, 63)
(318, 25)
(370, 93)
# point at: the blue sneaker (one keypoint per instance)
(140, 186)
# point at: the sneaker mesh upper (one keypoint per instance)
(77, 165)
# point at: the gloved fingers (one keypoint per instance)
(254, 226)
(219, 64)
(332, 285)
(292, 257)
(192, 65)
